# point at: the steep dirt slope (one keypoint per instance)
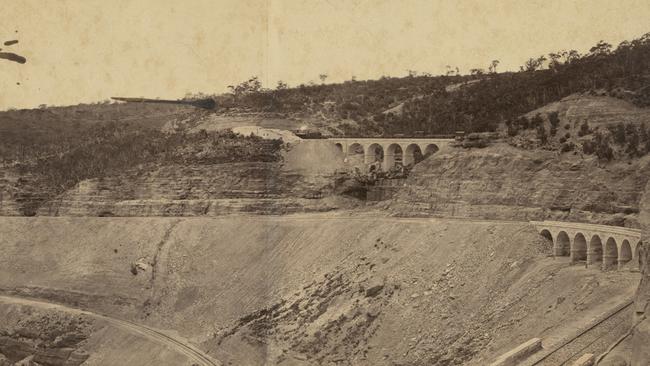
(310, 289)
(504, 182)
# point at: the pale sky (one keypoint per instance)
(89, 50)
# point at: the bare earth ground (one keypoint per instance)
(309, 289)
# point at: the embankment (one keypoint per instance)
(313, 288)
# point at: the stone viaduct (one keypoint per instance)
(389, 151)
(606, 246)
(609, 247)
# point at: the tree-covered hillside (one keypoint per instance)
(427, 104)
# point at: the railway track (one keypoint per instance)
(588, 340)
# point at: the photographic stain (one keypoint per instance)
(13, 57)
(10, 55)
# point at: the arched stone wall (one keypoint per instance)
(356, 148)
(610, 254)
(547, 234)
(409, 150)
(355, 154)
(339, 147)
(625, 253)
(610, 246)
(595, 250)
(392, 156)
(579, 248)
(562, 245)
(430, 149)
(374, 154)
(413, 154)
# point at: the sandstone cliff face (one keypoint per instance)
(499, 182)
(191, 190)
(502, 182)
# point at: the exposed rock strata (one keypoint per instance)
(502, 182)
(182, 190)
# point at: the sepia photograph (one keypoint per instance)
(325, 183)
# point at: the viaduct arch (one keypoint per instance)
(388, 151)
(609, 247)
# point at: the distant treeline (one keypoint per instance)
(429, 106)
(499, 98)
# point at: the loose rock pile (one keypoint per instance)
(49, 339)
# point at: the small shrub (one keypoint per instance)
(554, 119)
(605, 152)
(541, 134)
(618, 132)
(602, 147)
(584, 129)
(513, 130)
(523, 123)
(632, 137)
(566, 147)
(537, 121)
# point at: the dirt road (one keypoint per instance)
(194, 354)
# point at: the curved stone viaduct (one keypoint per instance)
(389, 151)
(606, 246)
